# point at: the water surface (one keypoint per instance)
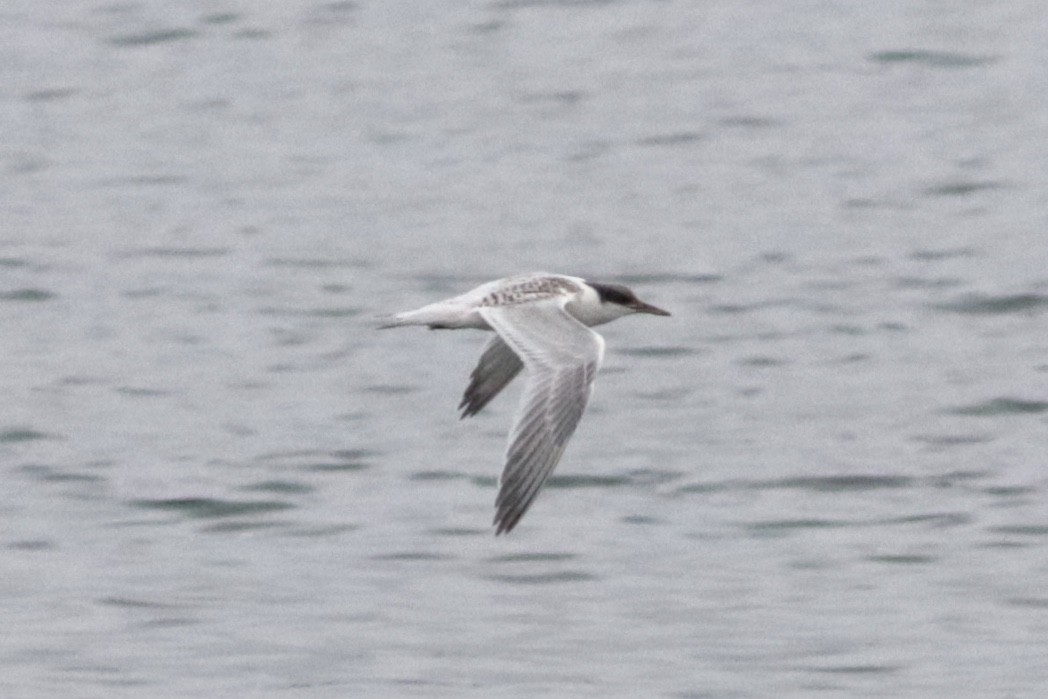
(823, 476)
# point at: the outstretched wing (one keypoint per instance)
(562, 357)
(498, 366)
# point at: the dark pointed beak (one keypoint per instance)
(641, 307)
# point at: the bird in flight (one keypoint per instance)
(542, 324)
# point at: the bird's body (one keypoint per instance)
(582, 301)
(542, 324)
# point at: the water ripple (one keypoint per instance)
(564, 576)
(932, 255)
(22, 434)
(1002, 406)
(859, 669)
(170, 252)
(210, 508)
(437, 475)
(421, 556)
(961, 188)
(952, 440)
(668, 278)
(27, 295)
(658, 351)
(831, 484)
(670, 139)
(321, 461)
(903, 559)
(530, 557)
(938, 520)
(586, 481)
(987, 304)
(933, 59)
(49, 474)
(834, 484)
(277, 486)
(1028, 602)
(159, 36)
(780, 527)
(1037, 530)
(459, 531)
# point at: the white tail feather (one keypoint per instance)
(423, 316)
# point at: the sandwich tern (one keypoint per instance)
(542, 324)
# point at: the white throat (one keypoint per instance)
(589, 310)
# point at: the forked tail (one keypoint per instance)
(391, 321)
(423, 316)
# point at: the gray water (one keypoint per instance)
(825, 475)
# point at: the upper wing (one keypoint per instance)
(562, 357)
(497, 366)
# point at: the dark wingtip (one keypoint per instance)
(505, 521)
(474, 399)
(469, 405)
(507, 514)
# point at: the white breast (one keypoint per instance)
(587, 308)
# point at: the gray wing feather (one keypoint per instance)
(562, 357)
(498, 366)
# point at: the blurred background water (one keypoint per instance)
(824, 476)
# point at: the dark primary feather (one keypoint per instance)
(498, 366)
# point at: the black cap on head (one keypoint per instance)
(614, 293)
(624, 296)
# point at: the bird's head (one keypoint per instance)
(620, 296)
